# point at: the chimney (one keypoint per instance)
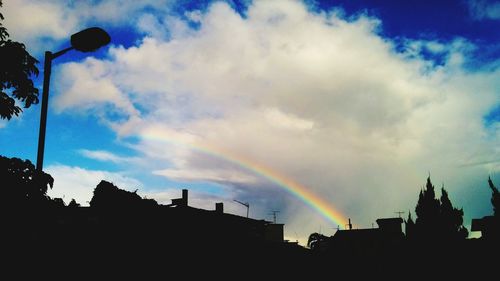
(219, 208)
(350, 224)
(185, 197)
(183, 201)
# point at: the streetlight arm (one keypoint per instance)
(61, 52)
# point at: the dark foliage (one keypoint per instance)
(495, 198)
(107, 196)
(437, 219)
(21, 183)
(409, 226)
(316, 241)
(427, 211)
(16, 69)
(73, 204)
(451, 219)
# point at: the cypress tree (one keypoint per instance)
(437, 219)
(495, 198)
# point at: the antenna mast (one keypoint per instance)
(274, 215)
(399, 213)
(349, 225)
(244, 204)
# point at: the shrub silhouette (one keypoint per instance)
(315, 241)
(73, 204)
(23, 185)
(107, 196)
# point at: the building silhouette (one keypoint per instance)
(368, 240)
(489, 226)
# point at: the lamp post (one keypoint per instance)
(87, 40)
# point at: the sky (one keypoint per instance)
(319, 110)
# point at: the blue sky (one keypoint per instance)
(356, 100)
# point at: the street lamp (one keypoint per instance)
(87, 40)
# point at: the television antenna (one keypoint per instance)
(274, 215)
(400, 213)
(244, 204)
(349, 225)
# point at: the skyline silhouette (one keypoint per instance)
(121, 228)
(436, 218)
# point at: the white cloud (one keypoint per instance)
(102, 155)
(287, 121)
(33, 22)
(79, 183)
(322, 101)
(91, 90)
(484, 9)
(211, 175)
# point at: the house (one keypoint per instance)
(388, 235)
(489, 226)
(217, 224)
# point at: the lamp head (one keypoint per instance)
(90, 39)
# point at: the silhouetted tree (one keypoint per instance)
(22, 183)
(451, 219)
(16, 68)
(108, 196)
(73, 204)
(437, 219)
(495, 198)
(58, 202)
(315, 241)
(409, 226)
(427, 211)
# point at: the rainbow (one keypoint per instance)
(296, 189)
